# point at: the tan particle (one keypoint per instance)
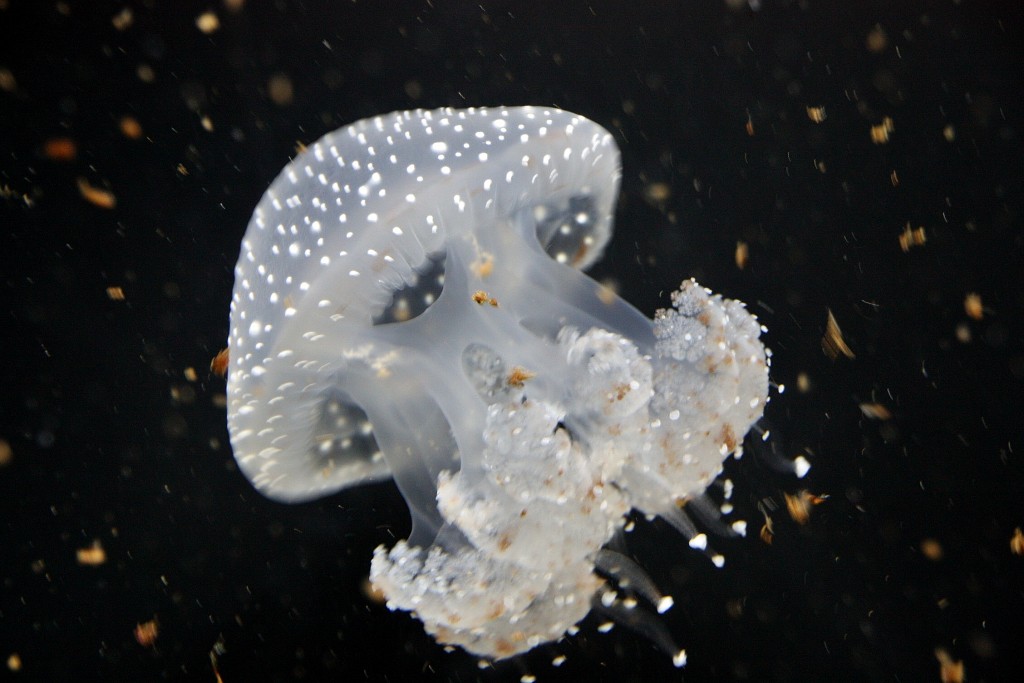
(949, 132)
(963, 333)
(234, 6)
(207, 22)
(60, 149)
(912, 237)
(894, 178)
(880, 134)
(799, 505)
(749, 126)
(7, 81)
(768, 530)
(115, 293)
(950, 671)
(657, 192)
(280, 90)
(6, 453)
(877, 39)
(207, 123)
(832, 342)
(190, 374)
(219, 364)
(481, 297)
(742, 254)
(14, 662)
(93, 555)
(821, 166)
(875, 411)
(96, 196)
(816, 114)
(973, 307)
(483, 266)
(147, 632)
(181, 169)
(372, 592)
(932, 549)
(130, 127)
(145, 73)
(1017, 542)
(123, 19)
(803, 383)
(608, 292)
(518, 376)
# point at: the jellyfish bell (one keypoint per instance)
(409, 303)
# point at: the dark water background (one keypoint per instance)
(110, 441)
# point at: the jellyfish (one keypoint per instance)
(410, 303)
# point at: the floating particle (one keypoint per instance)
(949, 132)
(96, 196)
(207, 123)
(484, 265)
(6, 453)
(932, 549)
(963, 333)
(115, 293)
(481, 297)
(60, 149)
(768, 530)
(207, 22)
(234, 6)
(371, 592)
(816, 114)
(130, 127)
(413, 90)
(219, 364)
(875, 411)
(657, 192)
(608, 292)
(912, 237)
(7, 82)
(146, 633)
(93, 555)
(894, 179)
(518, 377)
(803, 382)
(973, 307)
(280, 89)
(215, 652)
(832, 342)
(145, 73)
(949, 671)
(877, 39)
(190, 374)
(14, 662)
(880, 134)
(741, 255)
(123, 19)
(799, 505)
(749, 126)
(1017, 542)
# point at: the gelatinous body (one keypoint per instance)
(409, 303)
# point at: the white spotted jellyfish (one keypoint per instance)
(409, 303)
